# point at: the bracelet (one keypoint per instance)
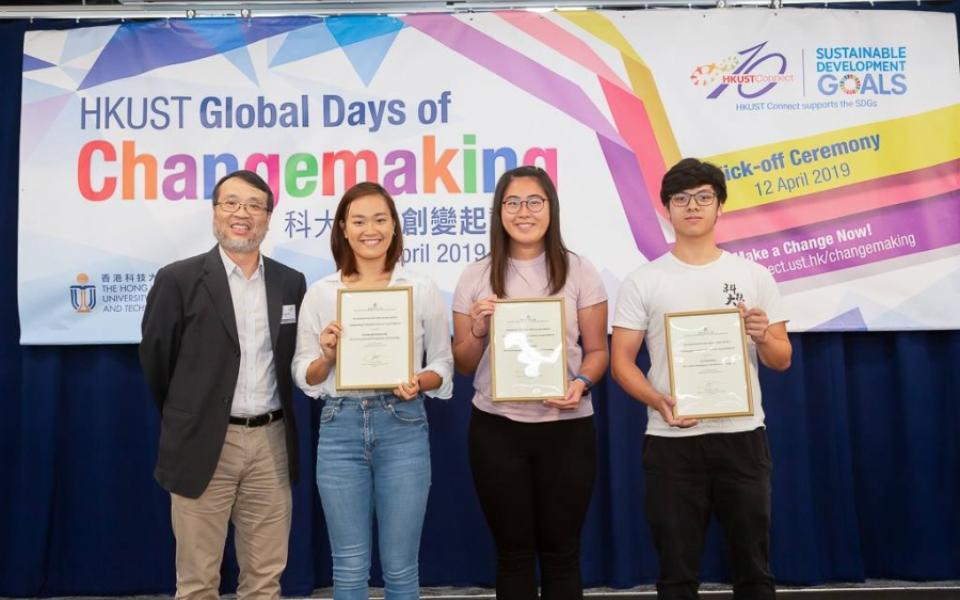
(587, 384)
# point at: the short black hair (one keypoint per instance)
(247, 177)
(691, 173)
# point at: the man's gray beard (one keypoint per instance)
(231, 245)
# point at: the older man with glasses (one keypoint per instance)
(219, 332)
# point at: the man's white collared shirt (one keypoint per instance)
(256, 392)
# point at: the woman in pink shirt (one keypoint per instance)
(533, 462)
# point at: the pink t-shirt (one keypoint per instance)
(528, 279)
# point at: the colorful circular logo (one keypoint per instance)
(850, 84)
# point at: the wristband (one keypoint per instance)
(586, 382)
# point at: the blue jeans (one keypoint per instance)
(373, 458)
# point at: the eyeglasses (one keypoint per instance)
(232, 206)
(534, 204)
(682, 199)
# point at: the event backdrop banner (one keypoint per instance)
(838, 131)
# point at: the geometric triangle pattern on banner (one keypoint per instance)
(367, 56)
(31, 63)
(304, 43)
(137, 48)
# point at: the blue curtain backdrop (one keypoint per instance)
(863, 430)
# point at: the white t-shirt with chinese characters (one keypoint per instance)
(668, 285)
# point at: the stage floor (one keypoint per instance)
(869, 590)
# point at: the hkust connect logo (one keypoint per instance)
(752, 72)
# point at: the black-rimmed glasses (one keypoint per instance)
(232, 206)
(534, 204)
(682, 199)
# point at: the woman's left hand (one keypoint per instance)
(408, 391)
(572, 400)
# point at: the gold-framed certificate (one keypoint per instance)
(528, 349)
(375, 350)
(709, 367)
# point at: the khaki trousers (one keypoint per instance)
(250, 488)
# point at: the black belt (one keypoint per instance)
(258, 420)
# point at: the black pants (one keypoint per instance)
(534, 481)
(687, 479)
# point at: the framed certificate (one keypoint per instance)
(375, 350)
(709, 370)
(528, 349)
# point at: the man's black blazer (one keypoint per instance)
(190, 356)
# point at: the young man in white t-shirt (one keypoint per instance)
(718, 465)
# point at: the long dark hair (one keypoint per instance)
(558, 264)
(340, 247)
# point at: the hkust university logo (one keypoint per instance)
(752, 72)
(83, 295)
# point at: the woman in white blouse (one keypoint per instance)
(373, 455)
